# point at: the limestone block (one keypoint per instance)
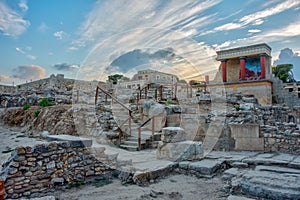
(173, 120)
(244, 130)
(180, 151)
(249, 144)
(173, 134)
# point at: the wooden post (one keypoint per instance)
(2, 190)
(153, 124)
(120, 135)
(161, 91)
(139, 138)
(129, 123)
(176, 91)
(96, 96)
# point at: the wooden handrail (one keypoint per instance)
(116, 100)
(143, 124)
(113, 98)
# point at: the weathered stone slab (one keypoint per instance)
(272, 182)
(73, 140)
(206, 167)
(173, 134)
(230, 173)
(295, 163)
(244, 130)
(249, 144)
(233, 197)
(179, 151)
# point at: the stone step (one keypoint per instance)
(129, 147)
(130, 143)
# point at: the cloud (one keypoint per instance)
(281, 34)
(66, 67)
(138, 57)
(43, 27)
(150, 27)
(4, 78)
(288, 56)
(12, 23)
(256, 18)
(73, 48)
(29, 72)
(59, 35)
(23, 5)
(31, 57)
(228, 26)
(254, 31)
(20, 50)
(253, 18)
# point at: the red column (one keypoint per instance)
(263, 63)
(243, 67)
(224, 73)
(206, 78)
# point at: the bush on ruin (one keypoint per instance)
(36, 113)
(26, 106)
(45, 102)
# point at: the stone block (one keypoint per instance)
(73, 140)
(180, 151)
(173, 134)
(207, 166)
(173, 119)
(249, 144)
(244, 130)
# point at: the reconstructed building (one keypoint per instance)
(247, 70)
(144, 77)
(155, 76)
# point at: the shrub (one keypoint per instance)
(237, 107)
(168, 102)
(36, 113)
(45, 102)
(26, 106)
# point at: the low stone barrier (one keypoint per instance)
(289, 143)
(42, 167)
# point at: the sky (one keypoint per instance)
(89, 39)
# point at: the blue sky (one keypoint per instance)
(88, 39)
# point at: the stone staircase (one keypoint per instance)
(125, 103)
(127, 122)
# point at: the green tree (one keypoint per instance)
(284, 72)
(114, 78)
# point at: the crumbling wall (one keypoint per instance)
(39, 168)
(7, 88)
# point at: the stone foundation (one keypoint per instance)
(44, 166)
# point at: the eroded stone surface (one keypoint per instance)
(272, 182)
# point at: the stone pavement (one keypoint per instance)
(255, 174)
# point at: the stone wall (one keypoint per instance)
(6, 88)
(289, 143)
(42, 167)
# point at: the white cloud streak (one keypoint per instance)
(59, 35)
(23, 5)
(11, 22)
(281, 34)
(31, 57)
(150, 25)
(256, 18)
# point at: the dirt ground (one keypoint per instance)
(173, 187)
